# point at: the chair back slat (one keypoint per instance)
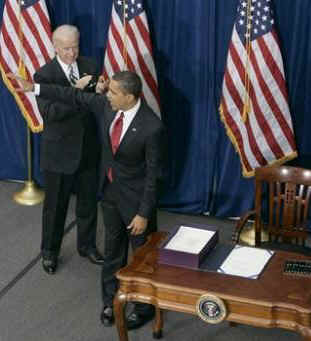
(300, 206)
(289, 208)
(307, 203)
(288, 191)
(274, 203)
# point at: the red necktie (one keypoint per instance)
(115, 138)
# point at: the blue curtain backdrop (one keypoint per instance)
(190, 40)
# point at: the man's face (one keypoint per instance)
(67, 48)
(117, 98)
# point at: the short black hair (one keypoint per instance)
(129, 81)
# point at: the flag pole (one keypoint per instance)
(30, 194)
(246, 106)
(248, 234)
(124, 52)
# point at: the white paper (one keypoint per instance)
(189, 239)
(245, 261)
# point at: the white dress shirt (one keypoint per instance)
(66, 68)
(127, 120)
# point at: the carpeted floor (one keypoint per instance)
(66, 306)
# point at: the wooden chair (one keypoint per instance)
(282, 198)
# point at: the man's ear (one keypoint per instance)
(130, 97)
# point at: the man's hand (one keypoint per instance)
(138, 225)
(102, 85)
(25, 86)
(83, 82)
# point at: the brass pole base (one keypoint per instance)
(29, 195)
(247, 236)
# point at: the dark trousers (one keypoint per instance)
(58, 188)
(117, 240)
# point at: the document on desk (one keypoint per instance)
(189, 239)
(245, 261)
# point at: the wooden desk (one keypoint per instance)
(273, 300)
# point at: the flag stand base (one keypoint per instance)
(247, 236)
(30, 195)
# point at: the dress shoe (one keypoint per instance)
(93, 256)
(136, 320)
(49, 265)
(107, 316)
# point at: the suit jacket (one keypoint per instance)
(68, 132)
(137, 164)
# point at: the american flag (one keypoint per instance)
(25, 45)
(129, 47)
(254, 104)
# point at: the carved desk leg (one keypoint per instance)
(158, 324)
(118, 306)
(305, 333)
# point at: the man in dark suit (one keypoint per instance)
(129, 176)
(131, 139)
(69, 154)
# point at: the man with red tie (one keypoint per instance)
(131, 164)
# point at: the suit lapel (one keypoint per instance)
(107, 128)
(135, 128)
(59, 73)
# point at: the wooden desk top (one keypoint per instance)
(272, 288)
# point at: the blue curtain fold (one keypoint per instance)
(190, 41)
(183, 62)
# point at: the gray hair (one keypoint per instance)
(129, 82)
(62, 30)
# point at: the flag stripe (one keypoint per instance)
(24, 97)
(19, 34)
(240, 128)
(25, 45)
(257, 108)
(133, 60)
(237, 136)
(129, 47)
(141, 50)
(112, 61)
(271, 64)
(254, 103)
(143, 30)
(44, 23)
(117, 48)
(239, 68)
(150, 85)
(12, 39)
(274, 106)
(9, 47)
(37, 37)
(248, 135)
(263, 109)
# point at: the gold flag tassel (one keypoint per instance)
(22, 69)
(30, 194)
(21, 65)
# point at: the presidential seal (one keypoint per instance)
(211, 309)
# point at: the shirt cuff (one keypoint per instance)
(37, 89)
